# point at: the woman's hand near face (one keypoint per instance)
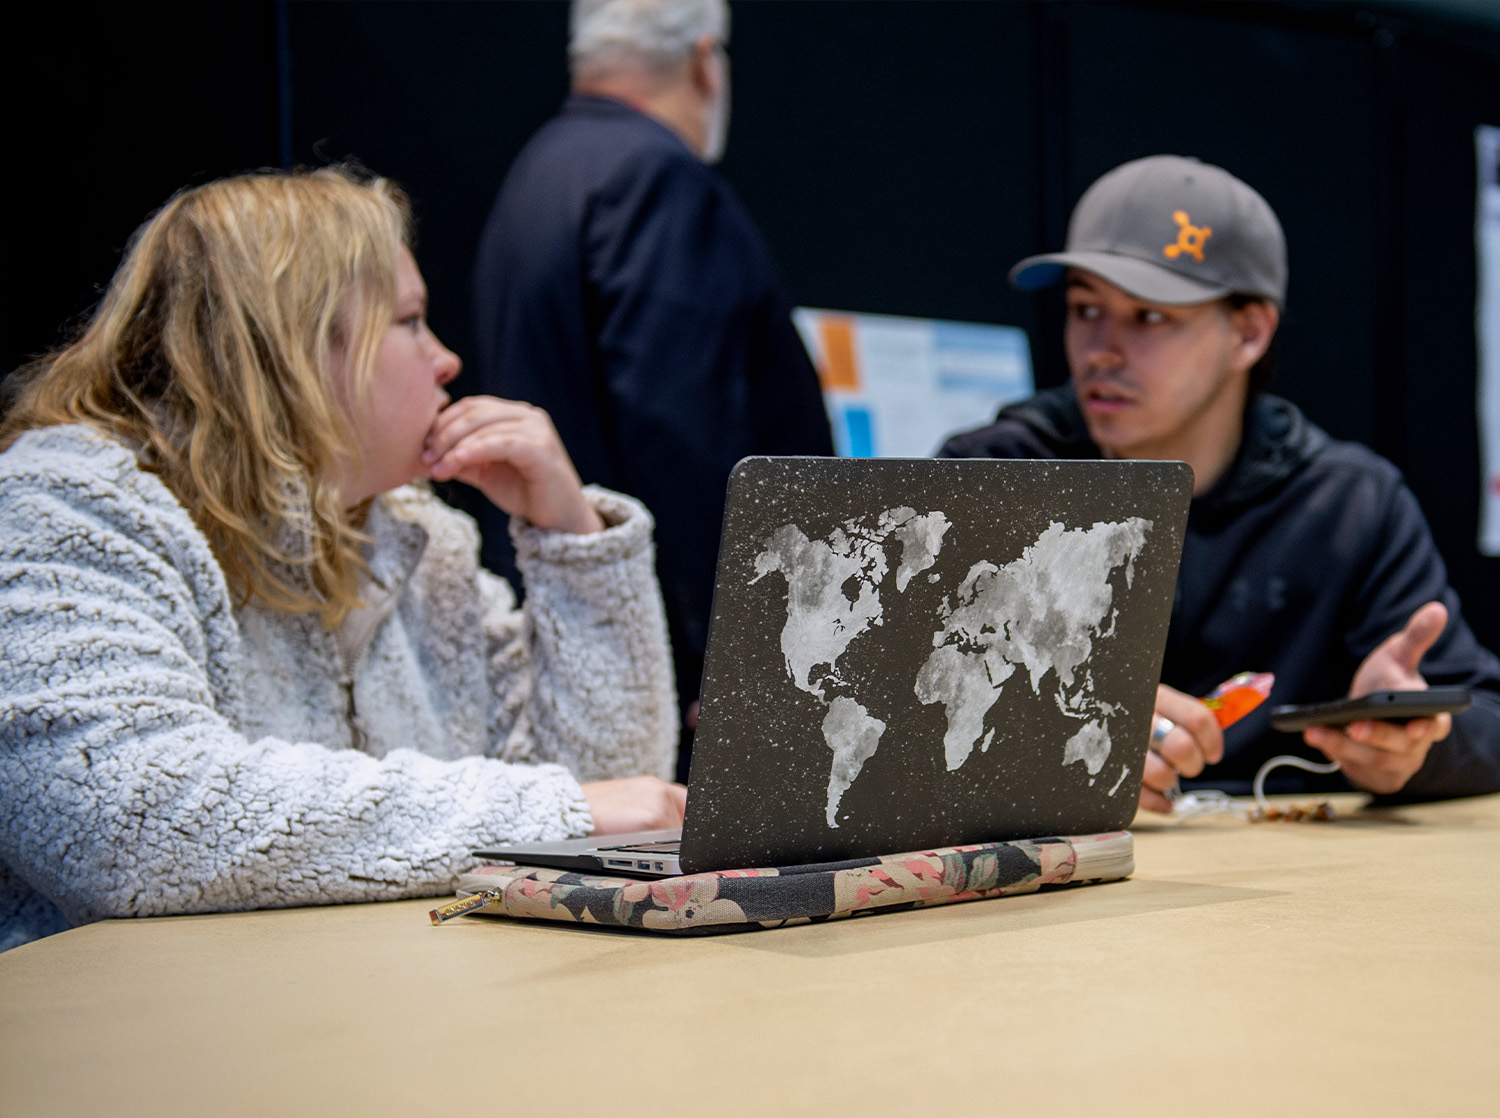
(510, 452)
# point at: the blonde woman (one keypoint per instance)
(246, 663)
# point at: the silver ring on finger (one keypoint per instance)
(1160, 729)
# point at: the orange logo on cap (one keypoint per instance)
(1190, 238)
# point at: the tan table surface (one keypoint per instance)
(1351, 968)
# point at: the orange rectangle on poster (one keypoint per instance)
(838, 369)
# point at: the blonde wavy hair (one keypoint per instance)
(210, 356)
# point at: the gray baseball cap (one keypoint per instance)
(1170, 230)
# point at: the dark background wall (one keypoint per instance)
(899, 156)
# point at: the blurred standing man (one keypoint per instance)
(1305, 556)
(621, 286)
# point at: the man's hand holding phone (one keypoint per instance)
(1377, 754)
(1382, 756)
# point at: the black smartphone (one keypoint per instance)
(1383, 706)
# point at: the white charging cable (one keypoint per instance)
(1214, 801)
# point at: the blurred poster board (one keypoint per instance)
(1487, 327)
(897, 387)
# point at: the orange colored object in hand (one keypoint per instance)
(1238, 696)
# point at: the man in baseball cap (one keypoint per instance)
(1305, 556)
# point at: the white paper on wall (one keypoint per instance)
(1487, 327)
(896, 387)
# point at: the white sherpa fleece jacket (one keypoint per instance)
(162, 752)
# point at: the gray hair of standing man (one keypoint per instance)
(653, 34)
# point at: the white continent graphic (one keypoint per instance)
(833, 595)
(1040, 612)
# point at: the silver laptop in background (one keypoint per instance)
(915, 653)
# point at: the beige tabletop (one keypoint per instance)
(1345, 968)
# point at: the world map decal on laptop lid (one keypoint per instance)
(1040, 612)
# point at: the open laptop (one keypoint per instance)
(915, 653)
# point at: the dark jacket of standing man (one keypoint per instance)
(621, 286)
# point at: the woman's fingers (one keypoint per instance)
(472, 414)
(635, 803)
(511, 453)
